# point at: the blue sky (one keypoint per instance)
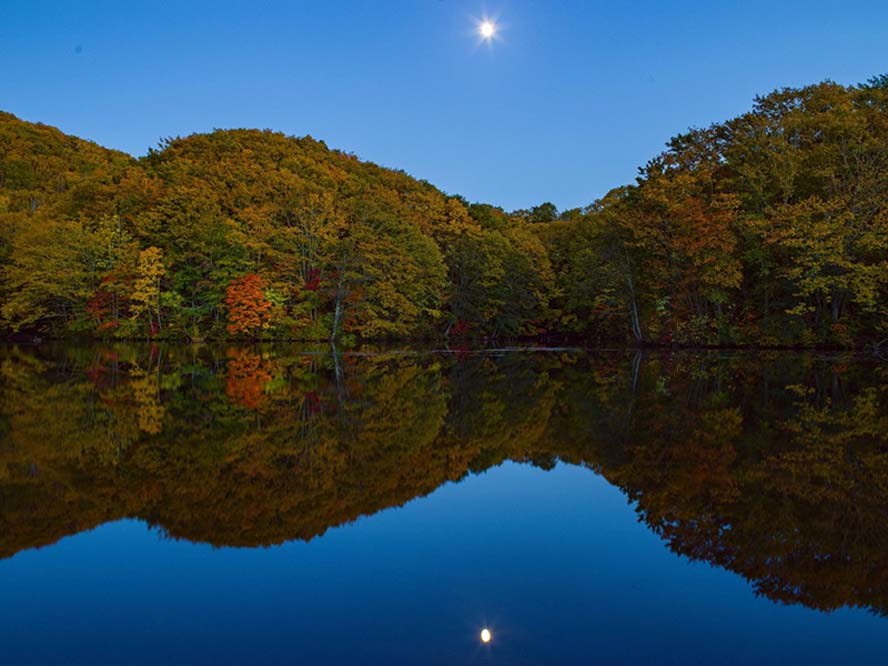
(566, 105)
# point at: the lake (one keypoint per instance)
(292, 505)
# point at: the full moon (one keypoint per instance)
(486, 635)
(487, 29)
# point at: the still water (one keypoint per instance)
(297, 506)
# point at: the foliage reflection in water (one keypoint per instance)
(773, 465)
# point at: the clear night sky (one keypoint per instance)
(567, 104)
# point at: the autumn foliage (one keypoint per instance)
(767, 229)
(248, 307)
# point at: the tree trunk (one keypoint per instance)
(337, 314)
(636, 324)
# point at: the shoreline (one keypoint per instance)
(545, 343)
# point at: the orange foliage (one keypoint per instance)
(248, 308)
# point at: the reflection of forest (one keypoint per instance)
(775, 467)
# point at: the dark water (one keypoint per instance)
(292, 506)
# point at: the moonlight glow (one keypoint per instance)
(487, 29)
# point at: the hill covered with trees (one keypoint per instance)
(768, 229)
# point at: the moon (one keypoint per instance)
(487, 29)
(486, 635)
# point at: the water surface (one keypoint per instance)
(291, 505)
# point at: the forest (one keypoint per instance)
(769, 229)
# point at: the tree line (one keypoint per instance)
(768, 229)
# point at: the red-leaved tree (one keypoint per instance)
(248, 307)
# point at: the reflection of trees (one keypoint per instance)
(776, 469)
(783, 482)
(247, 378)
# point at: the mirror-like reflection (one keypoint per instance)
(773, 466)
